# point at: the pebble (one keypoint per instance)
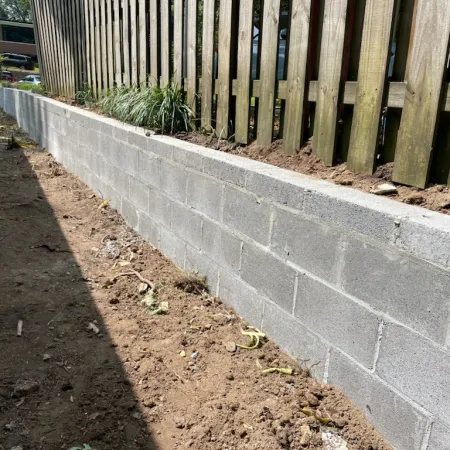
(230, 377)
(384, 189)
(230, 346)
(26, 387)
(143, 288)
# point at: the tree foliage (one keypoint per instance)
(15, 10)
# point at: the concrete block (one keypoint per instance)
(201, 264)
(161, 146)
(356, 211)
(426, 235)
(148, 169)
(242, 297)
(130, 213)
(187, 224)
(172, 246)
(226, 168)
(137, 137)
(268, 275)
(416, 367)
(139, 195)
(160, 208)
(173, 180)
(205, 195)
(275, 185)
(149, 229)
(221, 245)
(295, 339)
(411, 291)
(311, 245)
(118, 179)
(384, 407)
(247, 214)
(439, 438)
(190, 155)
(125, 157)
(337, 318)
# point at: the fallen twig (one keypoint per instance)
(137, 274)
(19, 328)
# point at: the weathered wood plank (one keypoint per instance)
(207, 81)
(266, 109)
(143, 42)
(154, 42)
(134, 42)
(126, 42)
(372, 76)
(244, 70)
(424, 79)
(117, 44)
(178, 41)
(165, 42)
(104, 55)
(110, 43)
(192, 54)
(330, 69)
(93, 47)
(41, 42)
(296, 75)
(98, 51)
(224, 74)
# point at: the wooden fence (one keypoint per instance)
(367, 79)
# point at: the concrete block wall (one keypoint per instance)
(354, 285)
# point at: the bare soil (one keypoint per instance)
(436, 197)
(142, 381)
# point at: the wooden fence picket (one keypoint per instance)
(191, 55)
(329, 85)
(154, 42)
(117, 44)
(372, 77)
(143, 42)
(424, 77)
(178, 13)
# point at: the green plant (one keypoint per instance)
(85, 96)
(162, 109)
(35, 88)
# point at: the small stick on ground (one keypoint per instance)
(137, 274)
(19, 328)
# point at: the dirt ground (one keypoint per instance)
(436, 197)
(93, 366)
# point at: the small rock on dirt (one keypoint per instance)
(143, 288)
(384, 189)
(17, 447)
(10, 426)
(414, 199)
(312, 399)
(333, 442)
(25, 387)
(305, 435)
(230, 346)
(46, 356)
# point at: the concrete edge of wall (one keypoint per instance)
(353, 284)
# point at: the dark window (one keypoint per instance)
(18, 34)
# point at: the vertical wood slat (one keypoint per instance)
(126, 42)
(117, 43)
(244, 71)
(154, 44)
(44, 63)
(330, 69)
(70, 48)
(78, 20)
(142, 42)
(93, 48)
(209, 11)
(36, 19)
(271, 18)
(56, 12)
(103, 46)
(296, 75)
(192, 54)
(110, 43)
(224, 75)
(424, 77)
(165, 41)
(372, 77)
(98, 51)
(178, 41)
(134, 42)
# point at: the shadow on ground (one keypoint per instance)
(61, 385)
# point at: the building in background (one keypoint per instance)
(17, 37)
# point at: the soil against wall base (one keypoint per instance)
(93, 366)
(435, 197)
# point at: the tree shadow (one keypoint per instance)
(61, 384)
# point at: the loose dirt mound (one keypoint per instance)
(94, 366)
